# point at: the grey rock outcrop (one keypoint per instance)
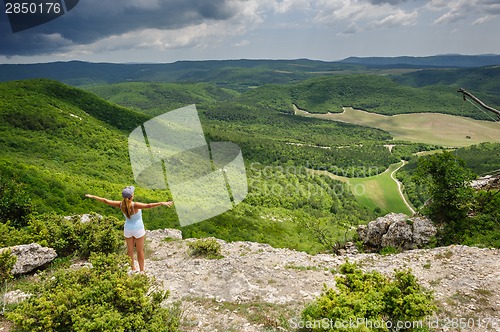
(463, 279)
(30, 257)
(423, 231)
(397, 230)
(15, 297)
(399, 235)
(486, 182)
(84, 218)
(162, 234)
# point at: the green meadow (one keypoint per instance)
(429, 128)
(378, 193)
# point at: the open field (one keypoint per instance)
(430, 128)
(379, 191)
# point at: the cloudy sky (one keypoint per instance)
(171, 30)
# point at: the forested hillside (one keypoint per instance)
(59, 143)
(483, 80)
(236, 74)
(373, 93)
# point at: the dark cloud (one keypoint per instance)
(93, 20)
(490, 6)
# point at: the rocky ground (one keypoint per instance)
(259, 288)
(255, 287)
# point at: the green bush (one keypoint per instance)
(15, 203)
(389, 251)
(101, 298)
(208, 248)
(370, 299)
(68, 236)
(7, 261)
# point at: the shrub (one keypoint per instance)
(15, 204)
(389, 250)
(208, 248)
(68, 236)
(13, 236)
(101, 298)
(7, 261)
(370, 298)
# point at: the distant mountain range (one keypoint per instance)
(448, 60)
(244, 73)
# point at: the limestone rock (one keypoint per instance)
(84, 218)
(376, 229)
(254, 273)
(486, 182)
(397, 230)
(399, 235)
(349, 249)
(423, 231)
(30, 257)
(15, 296)
(174, 234)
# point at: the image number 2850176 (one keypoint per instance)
(26, 14)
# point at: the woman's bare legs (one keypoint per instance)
(139, 246)
(130, 250)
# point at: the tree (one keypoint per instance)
(452, 197)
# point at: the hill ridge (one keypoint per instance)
(271, 70)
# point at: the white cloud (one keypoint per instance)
(283, 6)
(484, 19)
(398, 18)
(480, 11)
(363, 14)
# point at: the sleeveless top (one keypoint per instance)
(135, 222)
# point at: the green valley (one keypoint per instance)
(433, 128)
(304, 173)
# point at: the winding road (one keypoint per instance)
(400, 186)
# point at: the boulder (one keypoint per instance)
(397, 230)
(373, 232)
(399, 235)
(30, 257)
(423, 231)
(349, 249)
(15, 297)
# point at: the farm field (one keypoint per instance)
(379, 191)
(429, 128)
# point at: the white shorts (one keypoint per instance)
(137, 233)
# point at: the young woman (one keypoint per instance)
(134, 227)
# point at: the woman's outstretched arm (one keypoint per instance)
(104, 200)
(152, 205)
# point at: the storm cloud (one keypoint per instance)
(160, 30)
(94, 20)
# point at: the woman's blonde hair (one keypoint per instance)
(127, 207)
